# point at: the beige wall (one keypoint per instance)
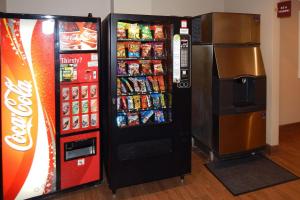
(270, 52)
(132, 6)
(168, 7)
(2, 5)
(99, 8)
(289, 111)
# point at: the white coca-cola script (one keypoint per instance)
(17, 99)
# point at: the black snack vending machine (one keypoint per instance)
(147, 98)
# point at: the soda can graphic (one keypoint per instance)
(75, 93)
(94, 120)
(27, 108)
(75, 122)
(85, 121)
(85, 106)
(75, 107)
(65, 94)
(93, 91)
(84, 92)
(94, 105)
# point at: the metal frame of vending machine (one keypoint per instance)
(75, 56)
(146, 138)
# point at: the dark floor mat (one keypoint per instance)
(249, 174)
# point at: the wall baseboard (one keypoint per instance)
(289, 127)
(271, 149)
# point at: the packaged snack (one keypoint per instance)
(85, 121)
(158, 49)
(156, 100)
(93, 91)
(84, 92)
(119, 86)
(75, 107)
(162, 101)
(121, 120)
(123, 88)
(159, 116)
(161, 82)
(146, 32)
(75, 122)
(133, 31)
(133, 68)
(146, 115)
(146, 50)
(121, 30)
(125, 82)
(146, 67)
(158, 31)
(66, 123)
(118, 103)
(142, 84)
(133, 119)
(134, 49)
(94, 119)
(66, 108)
(94, 105)
(124, 103)
(121, 50)
(137, 102)
(144, 101)
(148, 86)
(135, 84)
(65, 94)
(85, 106)
(122, 68)
(153, 83)
(157, 67)
(75, 93)
(130, 103)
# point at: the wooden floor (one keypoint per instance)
(201, 185)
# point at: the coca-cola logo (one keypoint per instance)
(70, 36)
(17, 99)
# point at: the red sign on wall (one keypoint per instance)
(284, 9)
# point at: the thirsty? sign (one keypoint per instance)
(284, 9)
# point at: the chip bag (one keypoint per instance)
(156, 100)
(133, 68)
(159, 116)
(146, 67)
(154, 83)
(122, 68)
(137, 102)
(134, 49)
(161, 82)
(158, 31)
(157, 67)
(133, 119)
(133, 31)
(158, 49)
(146, 115)
(121, 50)
(146, 32)
(130, 103)
(146, 50)
(121, 120)
(135, 84)
(121, 30)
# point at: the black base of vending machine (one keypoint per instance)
(146, 114)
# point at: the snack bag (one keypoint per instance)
(146, 67)
(162, 101)
(157, 67)
(146, 50)
(133, 119)
(135, 84)
(133, 31)
(137, 102)
(156, 100)
(158, 49)
(121, 30)
(161, 82)
(133, 68)
(148, 86)
(130, 103)
(121, 68)
(134, 49)
(159, 116)
(127, 84)
(121, 50)
(158, 32)
(119, 86)
(142, 84)
(154, 83)
(146, 102)
(124, 103)
(146, 115)
(118, 103)
(121, 120)
(146, 32)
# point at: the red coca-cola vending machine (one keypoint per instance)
(50, 128)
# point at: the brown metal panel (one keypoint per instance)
(235, 28)
(241, 132)
(233, 62)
